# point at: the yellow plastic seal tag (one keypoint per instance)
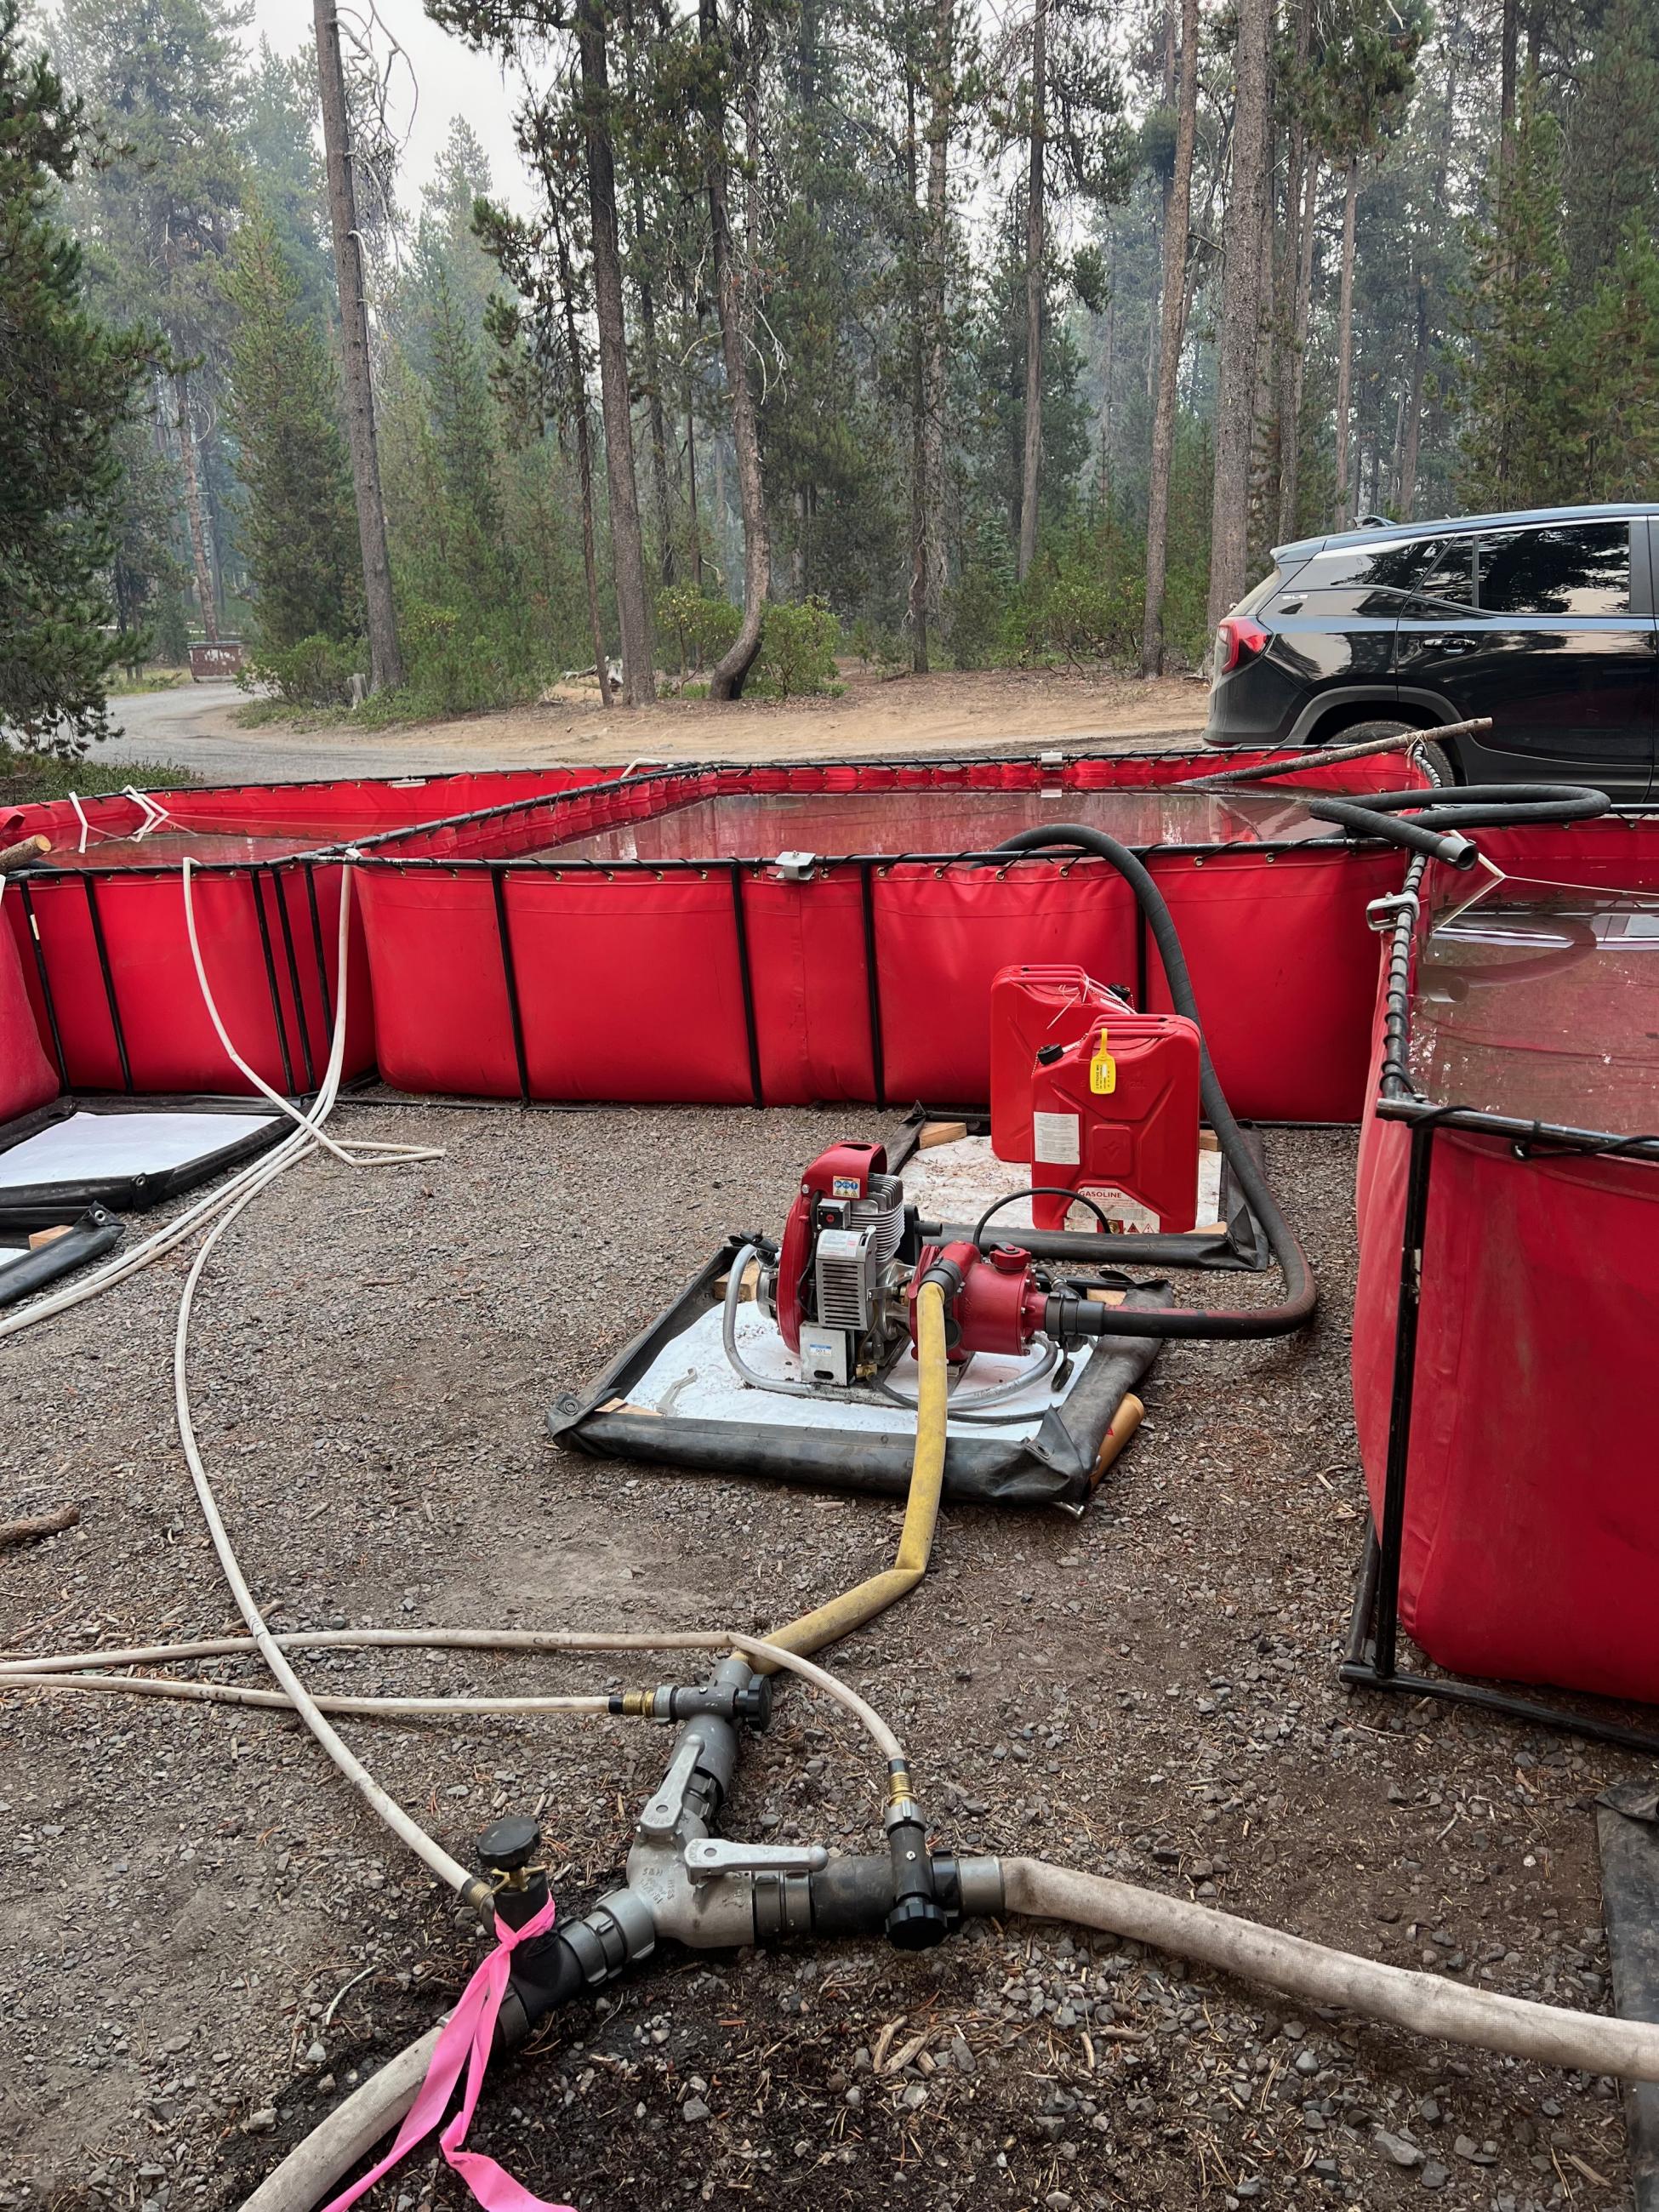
(1102, 1068)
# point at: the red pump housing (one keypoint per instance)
(842, 1172)
(999, 1306)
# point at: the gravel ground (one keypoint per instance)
(209, 1942)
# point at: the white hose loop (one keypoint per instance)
(311, 1123)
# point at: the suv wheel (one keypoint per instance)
(1438, 760)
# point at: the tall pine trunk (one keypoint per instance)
(648, 340)
(1295, 282)
(1031, 459)
(200, 565)
(731, 672)
(916, 604)
(385, 660)
(633, 611)
(1177, 220)
(576, 408)
(1289, 481)
(1345, 343)
(1412, 446)
(1241, 308)
(927, 565)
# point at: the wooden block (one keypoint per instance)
(48, 1235)
(940, 1132)
(1104, 1297)
(626, 1406)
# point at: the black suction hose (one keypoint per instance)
(1475, 806)
(1082, 1316)
(1451, 846)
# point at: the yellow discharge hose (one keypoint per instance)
(827, 1624)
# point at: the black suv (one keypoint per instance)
(1543, 621)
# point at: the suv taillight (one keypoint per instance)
(1238, 639)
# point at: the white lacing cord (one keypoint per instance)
(155, 815)
(359, 1153)
(81, 817)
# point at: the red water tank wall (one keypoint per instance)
(1531, 1549)
(28, 1078)
(270, 961)
(630, 980)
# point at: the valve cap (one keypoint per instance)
(916, 1924)
(509, 1844)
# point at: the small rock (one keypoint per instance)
(1434, 2175)
(693, 2109)
(260, 2123)
(1397, 2148)
(1465, 2147)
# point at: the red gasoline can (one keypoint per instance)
(1031, 1008)
(1109, 1102)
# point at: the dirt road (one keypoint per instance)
(196, 727)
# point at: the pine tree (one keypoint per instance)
(67, 384)
(1616, 339)
(1514, 389)
(156, 213)
(278, 129)
(1611, 174)
(299, 531)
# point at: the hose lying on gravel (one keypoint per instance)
(1424, 2003)
(252, 1178)
(59, 1669)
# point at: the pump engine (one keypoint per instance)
(842, 1289)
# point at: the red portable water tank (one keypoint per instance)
(1109, 1102)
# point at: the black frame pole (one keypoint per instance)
(278, 1021)
(46, 999)
(89, 885)
(320, 949)
(872, 980)
(510, 976)
(746, 980)
(300, 1021)
(1406, 1313)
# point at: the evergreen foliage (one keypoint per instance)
(67, 380)
(299, 528)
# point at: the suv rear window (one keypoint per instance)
(1444, 572)
(1557, 569)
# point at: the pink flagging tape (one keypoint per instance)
(465, 2041)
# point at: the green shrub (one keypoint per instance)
(315, 672)
(799, 638)
(460, 663)
(702, 626)
(27, 776)
(879, 647)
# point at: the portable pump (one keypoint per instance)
(842, 1289)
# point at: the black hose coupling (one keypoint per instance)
(918, 1920)
(677, 1701)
